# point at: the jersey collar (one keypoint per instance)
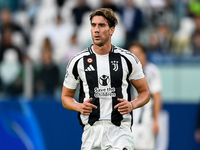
(91, 51)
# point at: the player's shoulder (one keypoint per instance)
(122, 51)
(78, 56)
(130, 57)
(81, 54)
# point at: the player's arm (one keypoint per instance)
(70, 103)
(156, 110)
(125, 107)
(68, 100)
(143, 93)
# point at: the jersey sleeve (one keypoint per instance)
(71, 79)
(137, 71)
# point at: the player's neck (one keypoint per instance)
(102, 50)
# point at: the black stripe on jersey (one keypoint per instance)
(81, 93)
(81, 98)
(90, 49)
(129, 83)
(130, 70)
(92, 81)
(129, 98)
(116, 81)
(75, 70)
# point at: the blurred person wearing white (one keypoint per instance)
(73, 48)
(11, 61)
(146, 119)
(59, 33)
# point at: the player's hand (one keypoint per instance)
(124, 107)
(155, 127)
(86, 107)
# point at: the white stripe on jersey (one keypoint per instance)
(105, 102)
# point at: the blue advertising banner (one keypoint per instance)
(46, 125)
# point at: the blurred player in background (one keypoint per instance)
(146, 119)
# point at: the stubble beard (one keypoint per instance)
(100, 43)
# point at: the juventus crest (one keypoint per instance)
(115, 65)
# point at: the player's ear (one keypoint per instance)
(112, 29)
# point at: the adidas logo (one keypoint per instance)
(90, 68)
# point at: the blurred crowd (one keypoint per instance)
(39, 37)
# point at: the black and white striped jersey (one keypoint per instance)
(105, 78)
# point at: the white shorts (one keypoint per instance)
(104, 135)
(144, 138)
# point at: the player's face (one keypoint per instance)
(100, 30)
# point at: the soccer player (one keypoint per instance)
(105, 73)
(146, 125)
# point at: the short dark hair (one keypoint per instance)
(108, 14)
(138, 44)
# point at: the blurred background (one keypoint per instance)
(39, 37)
